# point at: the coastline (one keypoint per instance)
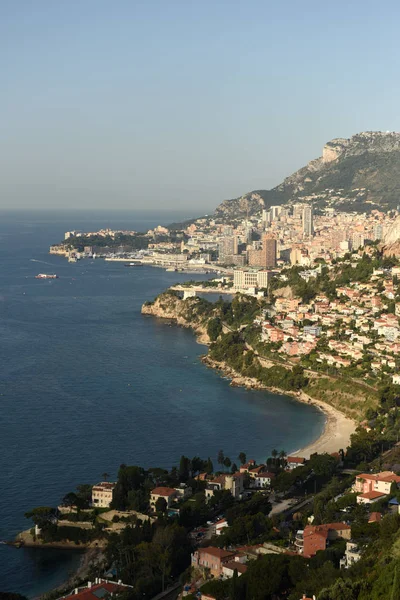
(337, 429)
(336, 433)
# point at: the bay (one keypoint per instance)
(87, 383)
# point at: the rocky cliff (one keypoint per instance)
(358, 173)
(182, 312)
(391, 241)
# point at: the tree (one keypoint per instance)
(161, 505)
(105, 476)
(396, 585)
(234, 468)
(70, 499)
(184, 468)
(209, 466)
(341, 590)
(221, 457)
(227, 462)
(242, 458)
(84, 494)
(323, 465)
(274, 454)
(214, 328)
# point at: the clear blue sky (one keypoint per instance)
(158, 103)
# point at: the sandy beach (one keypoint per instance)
(337, 431)
(338, 428)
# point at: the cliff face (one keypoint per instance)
(182, 312)
(391, 241)
(358, 173)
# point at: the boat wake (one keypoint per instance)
(43, 262)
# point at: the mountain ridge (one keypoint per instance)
(357, 173)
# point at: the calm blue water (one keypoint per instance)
(87, 383)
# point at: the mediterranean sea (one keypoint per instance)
(88, 383)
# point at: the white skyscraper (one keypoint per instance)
(308, 227)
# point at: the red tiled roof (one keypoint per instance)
(104, 485)
(257, 470)
(387, 476)
(266, 474)
(372, 495)
(233, 564)
(375, 517)
(295, 459)
(88, 593)
(217, 552)
(338, 526)
(163, 491)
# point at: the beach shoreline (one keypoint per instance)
(336, 433)
(337, 428)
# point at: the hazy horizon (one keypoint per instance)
(183, 104)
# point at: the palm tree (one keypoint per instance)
(282, 458)
(105, 476)
(274, 454)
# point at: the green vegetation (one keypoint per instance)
(127, 243)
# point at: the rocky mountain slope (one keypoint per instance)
(359, 173)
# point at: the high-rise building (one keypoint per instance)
(298, 210)
(227, 247)
(269, 251)
(308, 226)
(265, 256)
(357, 240)
(378, 232)
(275, 212)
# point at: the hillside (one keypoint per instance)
(360, 173)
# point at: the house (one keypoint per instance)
(212, 559)
(370, 497)
(100, 588)
(183, 491)
(230, 567)
(246, 467)
(234, 483)
(263, 479)
(169, 495)
(220, 525)
(366, 483)
(102, 494)
(294, 461)
(351, 556)
(375, 517)
(316, 537)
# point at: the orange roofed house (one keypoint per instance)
(169, 495)
(294, 461)
(316, 537)
(212, 558)
(100, 588)
(374, 486)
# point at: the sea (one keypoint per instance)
(88, 383)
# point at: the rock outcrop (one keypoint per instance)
(391, 241)
(182, 312)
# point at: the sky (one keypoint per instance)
(183, 103)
